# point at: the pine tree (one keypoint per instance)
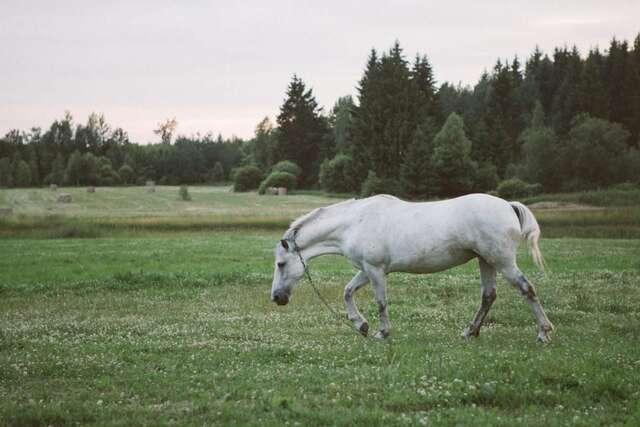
(503, 118)
(6, 173)
(592, 89)
(425, 101)
(264, 145)
(341, 120)
(619, 83)
(452, 164)
(416, 174)
(539, 162)
(302, 130)
(567, 101)
(387, 114)
(368, 119)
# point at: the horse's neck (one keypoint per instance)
(320, 237)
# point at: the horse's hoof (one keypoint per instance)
(543, 338)
(468, 333)
(364, 329)
(380, 335)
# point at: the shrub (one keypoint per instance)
(246, 178)
(514, 188)
(184, 193)
(374, 185)
(336, 176)
(287, 166)
(278, 179)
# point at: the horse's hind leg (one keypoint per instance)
(360, 323)
(520, 282)
(378, 280)
(488, 296)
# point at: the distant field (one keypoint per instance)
(117, 210)
(179, 329)
(127, 202)
(113, 211)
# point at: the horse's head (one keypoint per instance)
(288, 271)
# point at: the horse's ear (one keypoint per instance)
(284, 244)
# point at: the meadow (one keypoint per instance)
(137, 325)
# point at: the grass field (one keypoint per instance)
(133, 210)
(166, 328)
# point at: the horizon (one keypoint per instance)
(215, 69)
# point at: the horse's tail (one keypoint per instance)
(530, 231)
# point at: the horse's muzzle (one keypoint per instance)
(280, 298)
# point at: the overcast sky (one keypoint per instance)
(218, 66)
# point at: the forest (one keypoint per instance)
(560, 121)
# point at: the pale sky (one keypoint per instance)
(221, 67)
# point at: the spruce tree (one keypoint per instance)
(340, 119)
(302, 130)
(592, 89)
(416, 174)
(6, 173)
(453, 167)
(540, 152)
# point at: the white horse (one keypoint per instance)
(383, 234)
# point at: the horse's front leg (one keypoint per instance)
(378, 280)
(359, 322)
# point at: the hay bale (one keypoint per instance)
(64, 198)
(272, 191)
(53, 187)
(5, 212)
(282, 191)
(91, 189)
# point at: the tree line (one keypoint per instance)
(560, 122)
(95, 154)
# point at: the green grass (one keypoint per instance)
(179, 329)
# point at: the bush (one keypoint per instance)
(374, 185)
(336, 176)
(184, 193)
(514, 188)
(287, 166)
(278, 179)
(246, 178)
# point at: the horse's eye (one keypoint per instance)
(281, 264)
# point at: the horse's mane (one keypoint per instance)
(298, 223)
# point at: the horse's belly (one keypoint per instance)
(433, 262)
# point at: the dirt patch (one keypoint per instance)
(562, 206)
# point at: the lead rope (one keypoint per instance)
(315, 289)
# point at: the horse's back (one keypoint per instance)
(430, 236)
